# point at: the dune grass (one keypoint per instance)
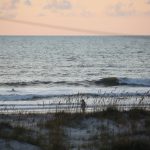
(105, 127)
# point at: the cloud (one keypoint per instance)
(8, 8)
(122, 9)
(59, 5)
(147, 1)
(125, 9)
(13, 4)
(27, 2)
(8, 4)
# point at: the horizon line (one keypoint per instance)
(73, 35)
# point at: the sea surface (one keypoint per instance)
(37, 69)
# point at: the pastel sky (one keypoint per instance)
(74, 17)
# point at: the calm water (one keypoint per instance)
(51, 66)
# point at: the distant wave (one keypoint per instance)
(110, 81)
(32, 83)
(24, 83)
(114, 81)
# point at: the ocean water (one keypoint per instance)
(36, 69)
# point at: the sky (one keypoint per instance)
(74, 17)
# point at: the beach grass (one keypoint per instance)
(105, 126)
(107, 129)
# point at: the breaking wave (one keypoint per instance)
(15, 97)
(110, 81)
(114, 81)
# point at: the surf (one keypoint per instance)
(116, 81)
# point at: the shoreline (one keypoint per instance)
(72, 104)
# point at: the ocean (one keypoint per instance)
(37, 71)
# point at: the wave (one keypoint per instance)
(32, 83)
(110, 81)
(114, 81)
(24, 83)
(15, 97)
(136, 82)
